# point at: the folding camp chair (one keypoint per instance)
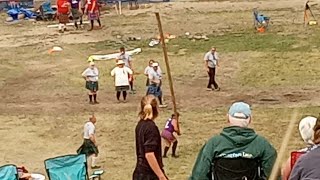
(68, 167)
(9, 172)
(47, 13)
(295, 155)
(306, 16)
(260, 21)
(237, 169)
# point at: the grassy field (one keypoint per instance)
(44, 104)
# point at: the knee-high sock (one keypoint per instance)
(118, 95)
(174, 148)
(160, 99)
(94, 161)
(124, 93)
(166, 149)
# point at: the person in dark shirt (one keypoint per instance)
(307, 166)
(76, 11)
(148, 143)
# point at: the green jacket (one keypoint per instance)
(234, 142)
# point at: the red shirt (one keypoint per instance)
(90, 4)
(63, 6)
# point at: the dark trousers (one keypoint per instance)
(212, 81)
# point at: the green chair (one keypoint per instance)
(69, 167)
(9, 172)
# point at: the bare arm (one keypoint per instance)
(93, 6)
(154, 165)
(176, 126)
(93, 139)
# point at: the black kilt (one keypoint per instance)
(88, 148)
(92, 86)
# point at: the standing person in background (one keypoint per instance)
(154, 87)
(89, 146)
(83, 7)
(64, 9)
(211, 63)
(76, 11)
(122, 76)
(92, 9)
(126, 58)
(149, 68)
(167, 134)
(91, 76)
(149, 164)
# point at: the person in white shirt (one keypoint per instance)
(211, 63)
(122, 76)
(91, 75)
(126, 58)
(149, 68)
(154, 87)
(89, 146)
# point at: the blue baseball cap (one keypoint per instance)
(240, 107)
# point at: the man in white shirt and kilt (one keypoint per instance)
(89, 146)
(91, 76)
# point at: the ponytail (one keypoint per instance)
(149, 108)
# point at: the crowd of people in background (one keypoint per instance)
(76, 10)
(123, 75)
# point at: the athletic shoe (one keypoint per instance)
(163, 106)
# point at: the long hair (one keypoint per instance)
(317, 131)
(149, 108)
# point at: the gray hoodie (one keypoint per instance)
(307, 167)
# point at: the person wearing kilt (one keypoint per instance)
(76, 11)
(122, 76)
(89, 146)
(91, 76)
(63, 14)
(92, 10)
(154, 87)
(126, 58)
(167, 134)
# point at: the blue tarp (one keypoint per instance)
(5, 4)
(15, 10)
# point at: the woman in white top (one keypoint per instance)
(91, 76)
(122, 76)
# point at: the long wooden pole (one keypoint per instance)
(277, 165)
(165, 54)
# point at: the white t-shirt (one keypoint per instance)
(92, 74)
(121, 76)
(154, 75)
(89, 129)
(126, 58)
(211, 58)
(150, 69)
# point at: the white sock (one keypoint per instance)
(93, 161)
(60, 26)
